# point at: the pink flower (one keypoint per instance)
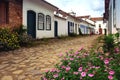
(68, 68)
(90, 75)
(63, 78)
(83, 74)
(85, 54)
(71, 59)
(78, 56)
(110, 77)
(86, 70)
(106, 61)
(81, 48)
(101, 57)
(46, 70)
(58, 71)
(80, 69)
(76, 73)
(63, 67)
(117, 50)
(65, 59)
(60, 55)
(55, 75)
(44, 78)
(69, 63)
(77, 53)
(52, 70)
(112, 72)
(93, 66)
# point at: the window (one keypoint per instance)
(72, 27)
(48, 22)
(3, 13)
(40, 21)
(73, 24)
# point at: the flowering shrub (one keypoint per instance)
(82, 65)
(9, 39)
(24, 39)
(14, 38)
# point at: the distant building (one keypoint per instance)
(87, 26)
(99, 23)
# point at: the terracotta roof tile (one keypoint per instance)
(96, 18)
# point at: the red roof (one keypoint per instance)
(96, 18)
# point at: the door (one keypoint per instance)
(31, 23)
(68, 28)
(76, 28)
(56, 28)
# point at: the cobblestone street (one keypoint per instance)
(30, 63)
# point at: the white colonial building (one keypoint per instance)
(99, 23)
(38, 16)
(44, 20)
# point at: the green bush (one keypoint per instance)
(9, 39)
(20, 30)
(117, 35)
(25, 39)
(109, 43)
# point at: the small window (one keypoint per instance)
(40, 21)
(48, 22)
(72, 27)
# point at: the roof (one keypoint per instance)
(96, 18)
(67, 14)
(49, 4)
(86, 16)
(46, 4)
(60, 17)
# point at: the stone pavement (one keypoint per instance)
(30, 63)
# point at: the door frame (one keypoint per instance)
(34, 27)
(56, 28)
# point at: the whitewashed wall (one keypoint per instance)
(70, 19)
(117, 13)
(77, 26)
(103, 26)
(36, 7)
(113, 18)
(62, 26)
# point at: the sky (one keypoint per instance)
(94, 8)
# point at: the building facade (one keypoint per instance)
(41, 19)
(112, 15)
(99, 23)
(38, 17)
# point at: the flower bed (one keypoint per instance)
(87, 65)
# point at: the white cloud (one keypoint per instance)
(81, 7)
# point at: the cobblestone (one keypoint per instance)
(30, 63)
